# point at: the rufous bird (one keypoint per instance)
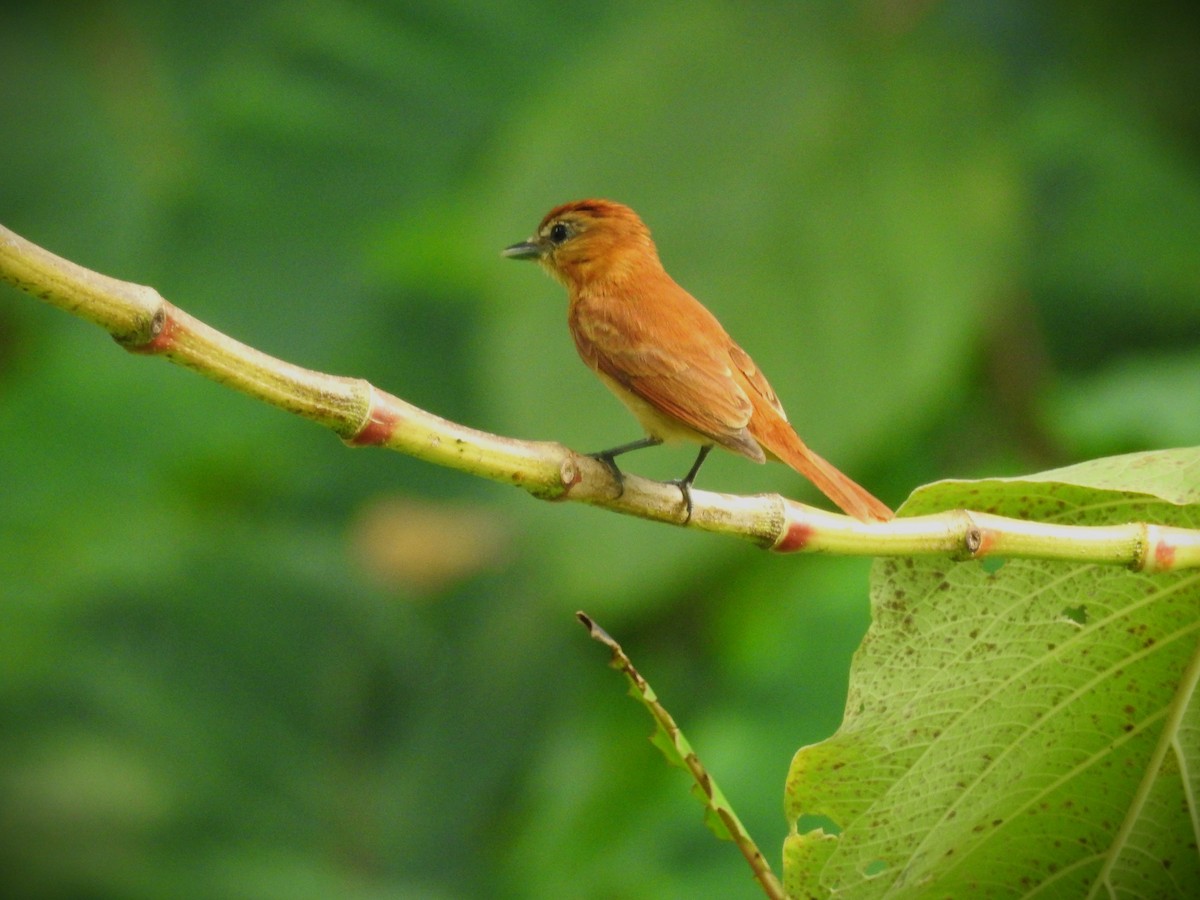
(664, 355)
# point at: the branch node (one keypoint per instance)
(569, 473)
(1153, 550)
(977, 540)
(973, 539)
(379, 421)
(154, 334)
(794, 536)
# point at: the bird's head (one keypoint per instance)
(586, 242)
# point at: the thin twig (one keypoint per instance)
(678, 751)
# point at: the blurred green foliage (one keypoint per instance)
(959, 237)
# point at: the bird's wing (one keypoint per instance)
(678, 362)
(755, 378)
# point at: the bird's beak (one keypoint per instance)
(531, 249)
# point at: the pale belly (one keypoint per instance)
(657, 425)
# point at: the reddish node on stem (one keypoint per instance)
(569, 474)
(163, 330)
(1164, 556)
(987, 542)
(380, 425)
(796, 538)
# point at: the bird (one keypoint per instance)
(665, 356)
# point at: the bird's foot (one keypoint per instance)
(609, 459)
(685, 483)
(685, 488)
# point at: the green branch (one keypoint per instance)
(363, 415)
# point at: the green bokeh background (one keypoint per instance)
(961, 238)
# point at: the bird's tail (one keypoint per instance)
(851, 497)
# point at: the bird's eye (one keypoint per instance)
(559, 232)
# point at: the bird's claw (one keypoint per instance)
(617, 474)
(685, 488)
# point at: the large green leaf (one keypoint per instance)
(1023, 730)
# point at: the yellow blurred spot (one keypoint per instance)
(426, 547)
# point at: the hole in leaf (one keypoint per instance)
(807, 823)
(1076, 614)
(874, 868)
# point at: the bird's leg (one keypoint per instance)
(609, 457)
(685, 483)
